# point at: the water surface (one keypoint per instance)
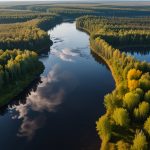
(140, 52)
(60, 109)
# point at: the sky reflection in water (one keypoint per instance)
(47, 97)
(69, 98)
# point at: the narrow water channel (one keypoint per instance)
(59, 112)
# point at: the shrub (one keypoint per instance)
(121, 117)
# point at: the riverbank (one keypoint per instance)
(128, 106)
(107, 62)
(98, 53)
(31, 35)
(16, 87)
(11, 90)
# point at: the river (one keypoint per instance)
(61, 109)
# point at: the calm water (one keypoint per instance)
(60, 110)
(141, 53)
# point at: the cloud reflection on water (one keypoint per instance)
(64, 54)
(29, 126)
(69, 55)
(47, 97)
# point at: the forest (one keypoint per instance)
(17, 69)
(15, 16)
(23, 37)
(125, 125)
(27, 35)
(73, 10)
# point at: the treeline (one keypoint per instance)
(13, 17)
(132, 38)
(19, 67)
(17, 70)
(49, 22)
(78, 9)
(116, 24)
(136, 31)
(126, 123)
(72, 11)
(27, 35)
(21, 16)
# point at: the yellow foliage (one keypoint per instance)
(133, 77)
(103, 127)
(133, 84)
(134, 74)
(121, 145)
(108, 146)
(140, 141)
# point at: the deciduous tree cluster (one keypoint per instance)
(128, 106)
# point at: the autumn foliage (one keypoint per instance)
(128, 106)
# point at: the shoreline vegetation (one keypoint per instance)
(28, 35)
(17, 70)
(126, 123)
(20, 42)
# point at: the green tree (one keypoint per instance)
(140, 92)
(121, 117)
(142, 111)
(139, 142)
(104, 128)
(131, 100)
(111, 101)
(147, 125)
(147, 96)
(121, 145)
(145, 82)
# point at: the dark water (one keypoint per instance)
(141, 52)
(60, 110)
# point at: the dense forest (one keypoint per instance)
(19, 34)
(17, 70)
(80, 9)
(16, 16)
(27, 35)
(121, 30)
(126, 123)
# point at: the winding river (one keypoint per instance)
(60, 109)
